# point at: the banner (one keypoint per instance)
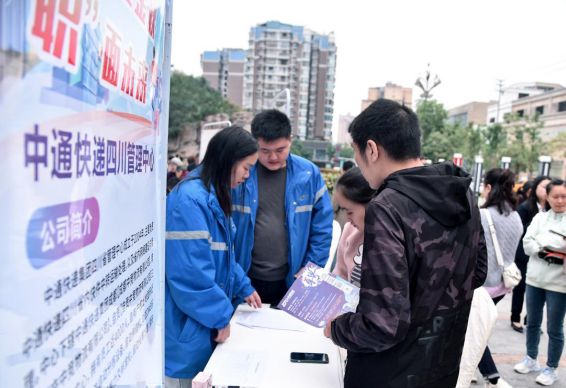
(84, 108)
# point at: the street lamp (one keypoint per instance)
(287, 100)
(426, 84)
(207, 131)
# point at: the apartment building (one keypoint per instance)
(390, 91)
(292, 68)
(224, 71)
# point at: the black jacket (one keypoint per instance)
(424, 253)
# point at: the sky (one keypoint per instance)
(470, 45)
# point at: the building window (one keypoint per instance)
(521, 112)
(492, 120)
(562, 106)
(540, 110)
(523, 95)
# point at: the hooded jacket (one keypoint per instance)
(424, 254)
(202, 278)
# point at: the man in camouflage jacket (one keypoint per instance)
(424, 254)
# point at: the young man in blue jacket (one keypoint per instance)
(283, 213)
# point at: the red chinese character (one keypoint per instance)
(142, 82)
(43, 22)
(151, 23)
(68, 18)
(111, 57)
(74, 17)
(129, 74)
(140, 10)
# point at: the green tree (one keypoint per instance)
(298, 148)
(191, 100)
(346, 152)
(557, 146)
(432, 117)
(474, 142)
(526, 144)
(330, 151)
(495, 144)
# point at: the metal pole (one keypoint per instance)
(478, 172)
(505, 162)
(287, 101)
(544, 165)
(206, 132)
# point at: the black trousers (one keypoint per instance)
(519, 293)
(270, 292)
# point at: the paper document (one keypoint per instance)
(244, 369)
(316, 296)
(269, 319)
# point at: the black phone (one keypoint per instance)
(311, 358)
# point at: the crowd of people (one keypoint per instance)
(244, 222)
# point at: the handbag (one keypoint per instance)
(511, 274)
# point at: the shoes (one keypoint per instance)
(517, 326)
(528, 365)
(500, 384)
(547, 377)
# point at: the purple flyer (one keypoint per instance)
(317, 296)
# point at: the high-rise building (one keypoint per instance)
(224, 71)
(294, 63)
(390, 91)
(343, 136)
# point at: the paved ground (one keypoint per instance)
(508, 348)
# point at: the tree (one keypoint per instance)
(432, 117)
(526, 145)
(191, 100)
(330, 151)
(474, 142)
(346, 152)
(557, 146)
(495, 144)
(298, 148)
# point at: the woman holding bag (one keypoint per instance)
(546, 283)
(503, 229)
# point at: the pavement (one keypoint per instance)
(508, 348)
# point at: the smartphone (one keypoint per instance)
(311, 358)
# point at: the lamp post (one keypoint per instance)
(207, 131)
(426, 83)
(287, 100)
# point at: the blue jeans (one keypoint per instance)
(555, 310)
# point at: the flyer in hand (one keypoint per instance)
(317, 297)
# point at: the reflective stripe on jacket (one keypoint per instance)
(309, 216)
(202, 277)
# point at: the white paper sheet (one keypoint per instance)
(244, 369)
(269, 319)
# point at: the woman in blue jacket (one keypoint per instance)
(202, 278)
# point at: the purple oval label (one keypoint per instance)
(55, 231)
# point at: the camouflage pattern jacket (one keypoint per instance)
(424, 254)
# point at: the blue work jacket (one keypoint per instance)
(308, 210)
(202, 277)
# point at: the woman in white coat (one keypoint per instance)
(546, 283)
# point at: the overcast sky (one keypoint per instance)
(469, 44)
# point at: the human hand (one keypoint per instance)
(223, 334)
(253, 300)
(328, 330)
(299, 272)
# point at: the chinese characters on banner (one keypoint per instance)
(83, 140)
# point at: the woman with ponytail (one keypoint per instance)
(500, 204)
